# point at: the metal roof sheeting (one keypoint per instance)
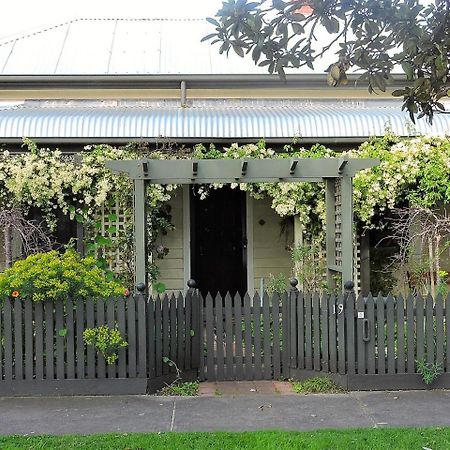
(125, 46)
(212, 120)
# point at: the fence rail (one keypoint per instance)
(365, 342)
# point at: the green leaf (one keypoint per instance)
(102, 240)
(297, 28)
(238, 50)
(159, 287)
(213, 21)
(112, 217)
(62, 332)
(192, 333)
(408, 69)
(279, 4)
(112, 229)
(207, 37)
(399, 93)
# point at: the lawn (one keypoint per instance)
(364, 439)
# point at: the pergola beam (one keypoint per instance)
(207, 171)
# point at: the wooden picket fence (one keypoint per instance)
(43, 342)
(362, 343)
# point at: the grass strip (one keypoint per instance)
(364, 439)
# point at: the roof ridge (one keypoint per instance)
(45, 29)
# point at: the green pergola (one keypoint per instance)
(336, 173)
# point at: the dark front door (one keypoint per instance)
(218, 241)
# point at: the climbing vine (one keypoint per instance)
(414, 171)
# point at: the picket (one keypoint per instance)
(276, 348)
(70, 339)
(18, 340)
(238, 341)
(390, 330)
(39, 340)
(410, 334)
(248, 339)
(370, 347)
(49, 338)
(8, 339)
(257, 371)
(332, 337)
(228, 333)
(28, 326)
(381, 335)
(400, 342)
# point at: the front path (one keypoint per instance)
(256, 411)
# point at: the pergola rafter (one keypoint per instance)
(337, 173)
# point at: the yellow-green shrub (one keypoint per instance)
(56, 276)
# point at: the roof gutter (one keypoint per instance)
(226, 81)
(212, 140)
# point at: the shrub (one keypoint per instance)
(56, 276)
(430, 371)
(316, 385)
(180, 389)
(107, 341)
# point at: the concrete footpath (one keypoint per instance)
(87, 415)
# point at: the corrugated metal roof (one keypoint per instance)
(211, 120)
(124, 46)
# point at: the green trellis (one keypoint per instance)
(336, 173)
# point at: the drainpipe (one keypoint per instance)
(183, 94)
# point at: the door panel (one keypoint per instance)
(218, 241)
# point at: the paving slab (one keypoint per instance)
(260, 412)
(406, 408)
(87, 415)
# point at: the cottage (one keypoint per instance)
(120, 80)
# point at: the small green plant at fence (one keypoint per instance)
(430, 371)
(108, 341)
(178, 387)
(316, 385)
(276, 283)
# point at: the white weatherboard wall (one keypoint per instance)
(171, 266)
(271, 253)
(270, 245)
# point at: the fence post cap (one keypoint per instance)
(349, 285)
(140, 287)
(293, 282)
(191, 283)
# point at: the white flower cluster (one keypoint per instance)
(50, 180)
(415, 170)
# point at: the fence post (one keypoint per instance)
(349, 317)
(293, 331)
(141, 331)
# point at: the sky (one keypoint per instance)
(20, 16)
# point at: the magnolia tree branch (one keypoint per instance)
(375, 38)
